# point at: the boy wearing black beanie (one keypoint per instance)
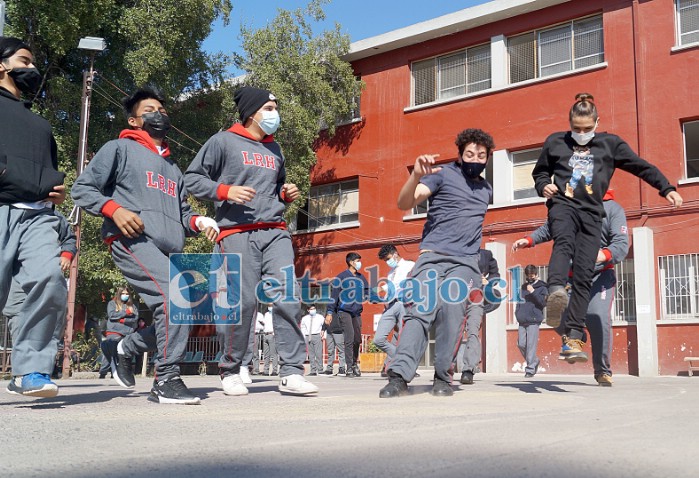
(242, 171)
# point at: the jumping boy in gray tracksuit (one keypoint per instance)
(139, 190)
(614, 247)
(242, 171)
(449, 251)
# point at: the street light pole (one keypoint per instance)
(93, 45)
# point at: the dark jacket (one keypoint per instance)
(356, 306)
(531, 311)
(122, 321)
(488, 267)
(28, 153)
(561, 156)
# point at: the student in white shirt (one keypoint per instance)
(312, 329)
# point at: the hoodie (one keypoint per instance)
(531, 311)
(129, 172)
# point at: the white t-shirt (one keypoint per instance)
(311, 325)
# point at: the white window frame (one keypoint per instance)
(572, 57)
(679, 7)
(512, 156)
(686, 281)
(438, 91)
(338, 223)
(687, 177)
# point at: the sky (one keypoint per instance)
(360, 19)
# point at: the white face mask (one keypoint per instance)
(270, 121)
(358, 265)
(269, 309)
(312, 312)
(583, 138)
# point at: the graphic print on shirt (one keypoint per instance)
(583, 164)
(166, 186)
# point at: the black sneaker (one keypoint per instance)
(440, 388)
(328, 371)
(350, 373)
(122, 371)
(397, 386)
(341, 371)
(172, 390)
(466, 377)
(357, 372)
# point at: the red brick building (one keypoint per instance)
(512, 68)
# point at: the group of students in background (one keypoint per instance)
(134, 184)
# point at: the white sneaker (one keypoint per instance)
(245, 375)
(233, 385)
(296, 385)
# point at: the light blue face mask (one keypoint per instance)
(270, 122)
(392, 263)
(124, 298)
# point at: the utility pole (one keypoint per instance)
(2, 17)
(93, 45)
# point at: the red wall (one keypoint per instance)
(643, 94)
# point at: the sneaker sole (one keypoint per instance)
(118, 380)
(42, 393)
(172, 401)
(288, 391)
(236, 393)
(575, 358)
(604, 384)
(555, 306)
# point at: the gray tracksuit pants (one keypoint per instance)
(391, 317)
(472, 348)
(528, 341)
(146, 268)
(315, 352)
(448, 318)
(29, 253)
(264, 253)
(332, 342)
(269, 354)
(598, 320)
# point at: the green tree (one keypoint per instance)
(149, 42)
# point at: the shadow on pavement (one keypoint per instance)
(538, 386)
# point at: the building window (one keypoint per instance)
(523, 163)
(328, 205)
(624, 304)
(678, 286)
(691, 147)
(688, 21)
(452, 75)
(566, 47)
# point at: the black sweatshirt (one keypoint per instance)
(28, 153)
(599, 158)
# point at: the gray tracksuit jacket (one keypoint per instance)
(120, 321)
(231, 158)
(126, 173)
(615, 237)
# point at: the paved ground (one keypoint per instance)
(503, 426)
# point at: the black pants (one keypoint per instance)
(576, 237)
(352, 330)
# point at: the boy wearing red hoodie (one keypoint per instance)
(138, 188)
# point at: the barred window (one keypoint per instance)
(687, 21)
(566, 47)
(523, 163)
(691, 148)
(329, 204)
(678, 286)
(452, 75)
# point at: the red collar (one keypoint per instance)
(240, 130)
(144, 139)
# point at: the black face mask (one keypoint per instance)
(156, 124)
(472, 170)
(28, 80)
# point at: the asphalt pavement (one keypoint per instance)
(502, 426)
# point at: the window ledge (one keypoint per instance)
(688, 181)
(413, 217)
(687, 321)
(328, 228)
(688, 46)
(510, 86)
(518, 202)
